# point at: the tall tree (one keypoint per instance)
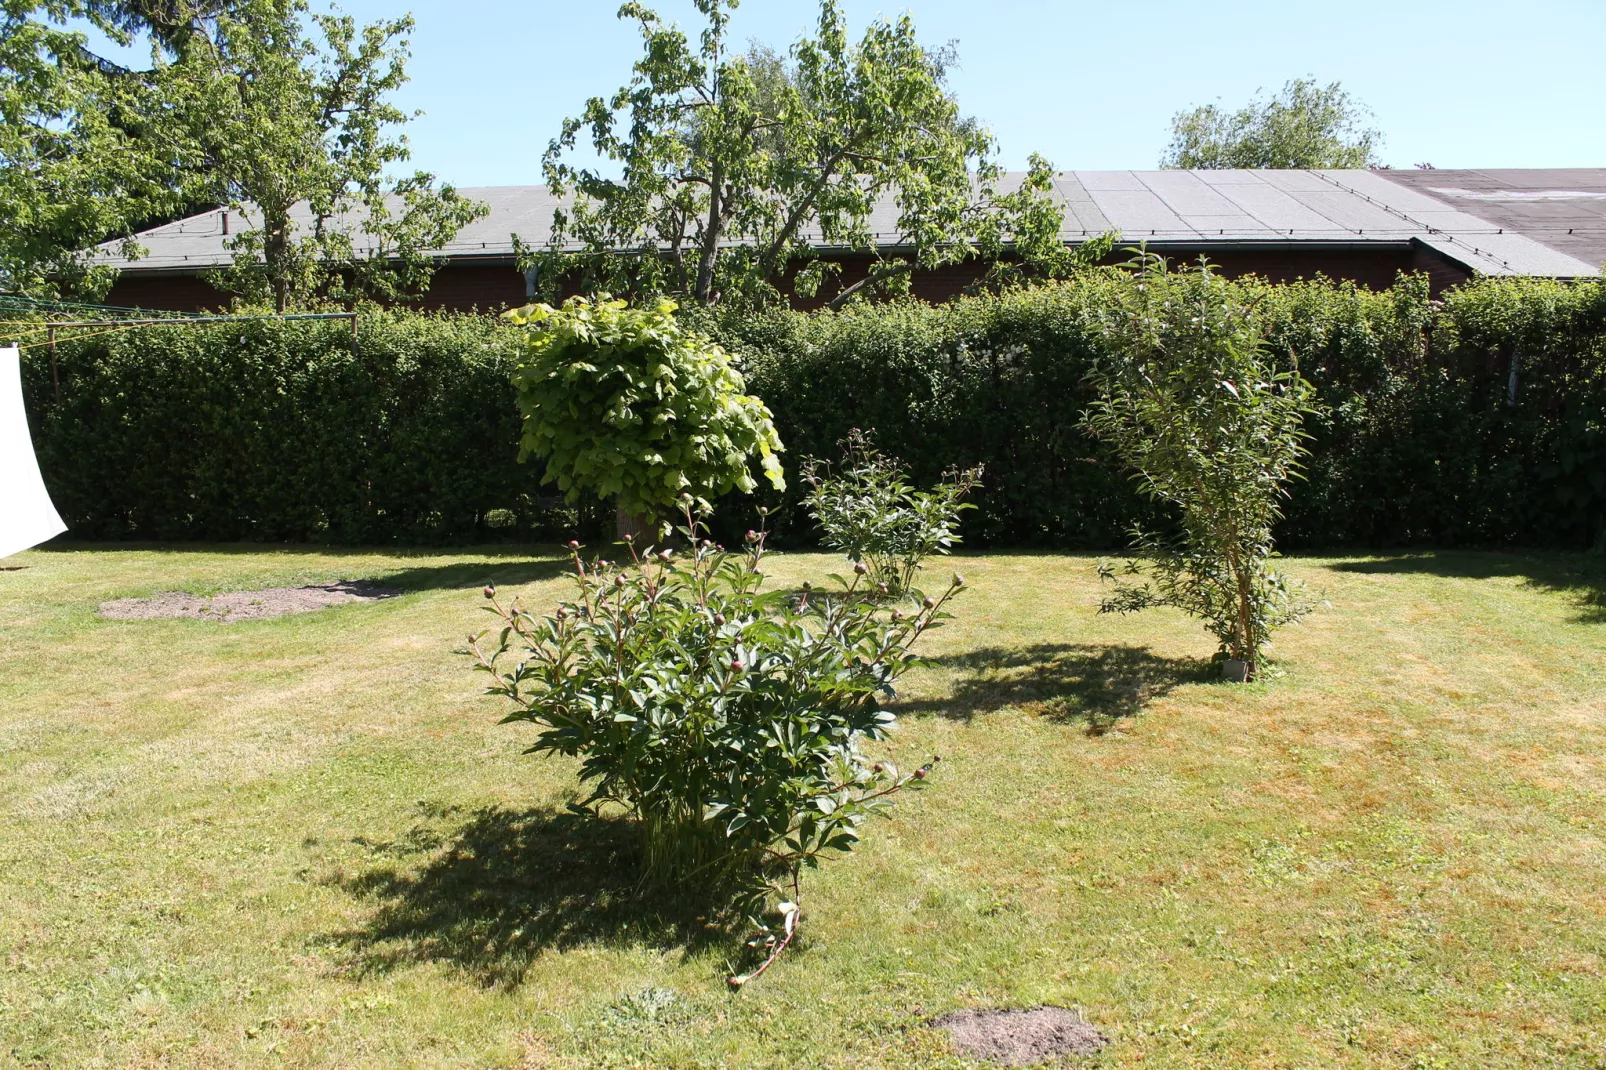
(86, 155)
(298, 136)
(732, 168)
(1303, 125)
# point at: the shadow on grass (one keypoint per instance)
(501, 565)
(508, 885)
(1580, 577)
(473, 574)
(1074, 683)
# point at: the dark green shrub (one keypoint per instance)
(727, 720)
(290, 431)
(283, 430)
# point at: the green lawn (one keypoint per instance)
(306, 841)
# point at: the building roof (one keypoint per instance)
(1491, 223)
(1562, 208)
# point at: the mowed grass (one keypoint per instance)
(307, 842)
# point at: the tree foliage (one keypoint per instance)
(1305, 125)
(731, 167)
(280, 114)
(84, 156)
(1192, 402)
(296, 129)
(625, 404)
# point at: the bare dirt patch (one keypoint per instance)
(245, 605)
(1021, 1037)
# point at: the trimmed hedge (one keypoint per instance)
(284, 431)
(1420, 443)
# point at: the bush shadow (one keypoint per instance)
(1073, 683)
(473, 574)
(1582, 578)
(507, 886)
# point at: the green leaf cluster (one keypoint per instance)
(737, 166)
(1304, 125)
(289, 431)
(625, 404)
(281, 115)
(866, 508)
(729, 720)
(86, 154)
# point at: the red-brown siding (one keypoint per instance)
(467, 285)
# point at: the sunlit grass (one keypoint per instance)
(306, 841)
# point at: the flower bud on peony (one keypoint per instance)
(736, 665)
(959, 581)
(719, 619)
(574, 544)
(618, 581)
(490, 590)
(878, 768)
(860, 568)
(752, 536)
(920, 774)
(930, 603)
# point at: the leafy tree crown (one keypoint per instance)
(735, 165)
(1304, 125)
(625, 403)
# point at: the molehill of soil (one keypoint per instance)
(1021, 1037)
(245, 605)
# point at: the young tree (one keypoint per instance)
(1304, 125)
(732, 166)
(297, 138)
(624, 403)
(1192, 402)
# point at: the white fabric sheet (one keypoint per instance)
(27, 517)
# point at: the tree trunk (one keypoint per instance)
(709, 253)
(642, 531)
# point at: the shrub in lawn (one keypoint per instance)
(867, 509)
(1191, 400)
(728, 720)
(623, 403)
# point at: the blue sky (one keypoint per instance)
(1467, 83)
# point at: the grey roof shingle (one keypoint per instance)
(1563, 208)
(1495, 222)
